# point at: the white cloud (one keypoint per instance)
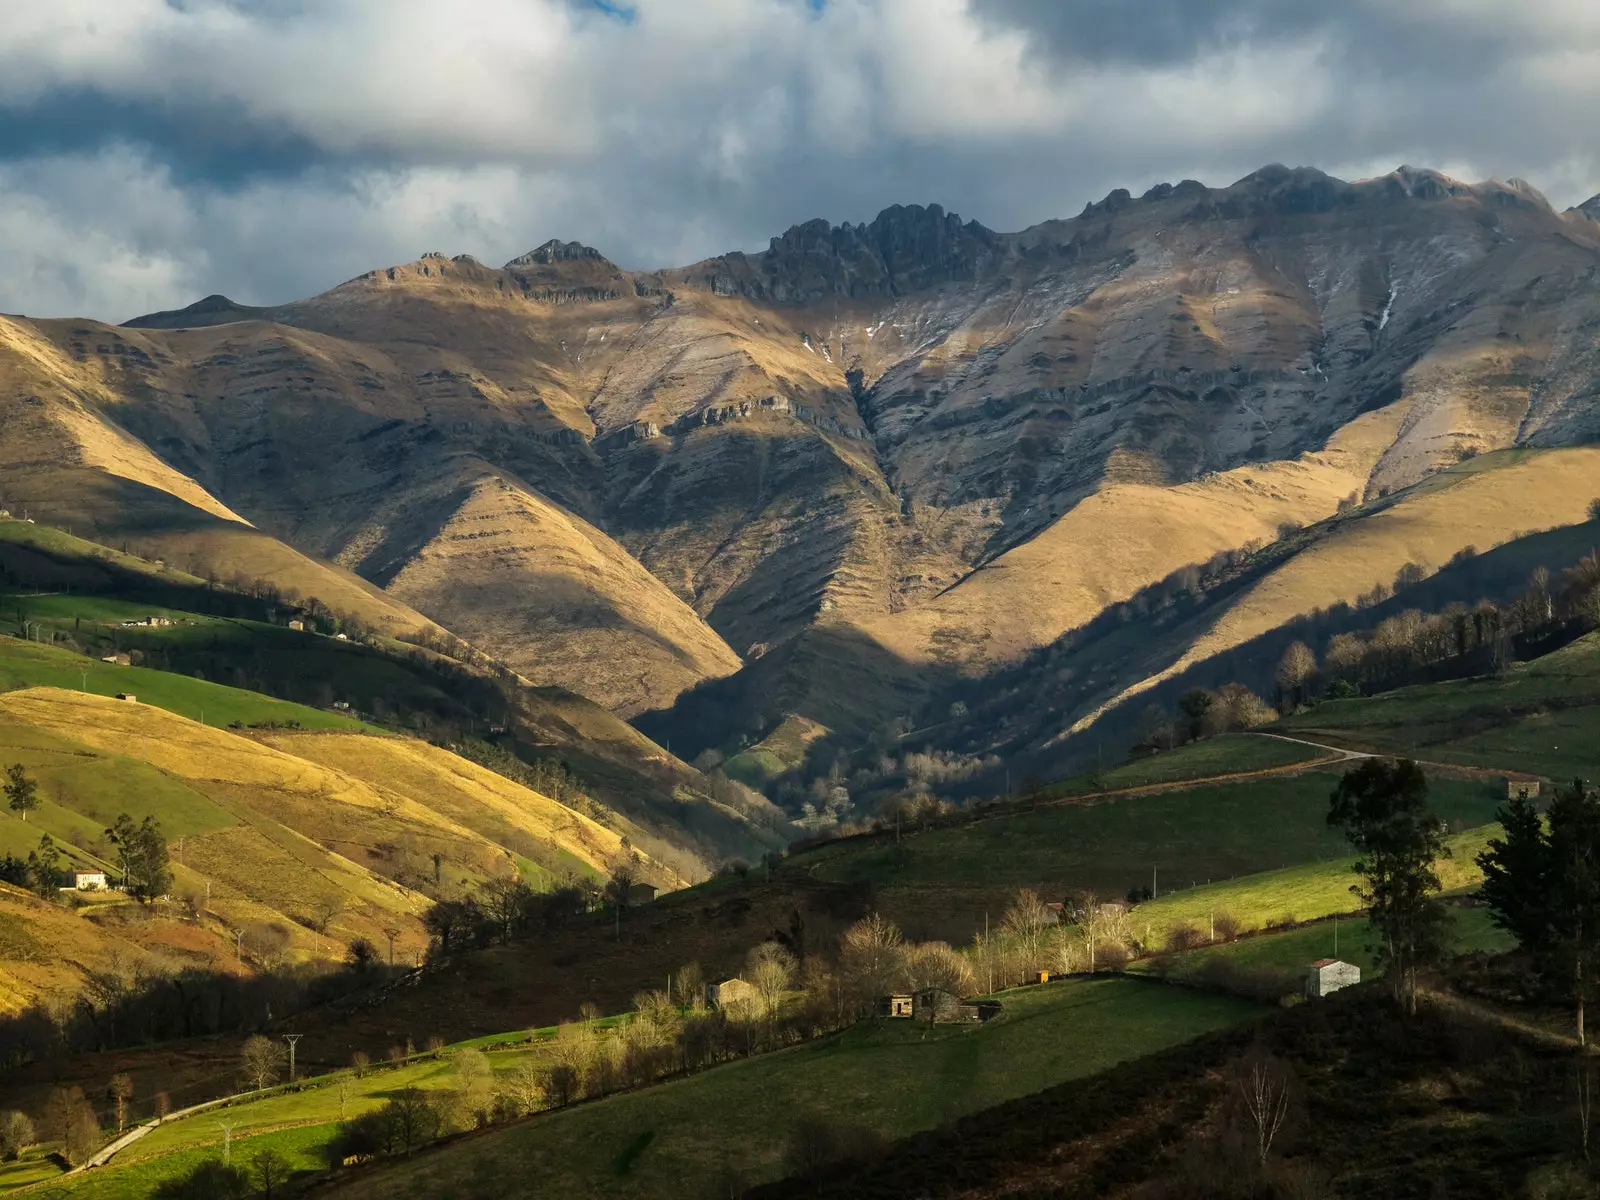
(270, 149)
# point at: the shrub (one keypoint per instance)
(1112, 956)
(16, 1135)
(1225, 926)
(1594, 509)
(1185, 936)
(210, 1180)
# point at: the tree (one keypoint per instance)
(1194, 705)
(271, 1169)
(260, 1061)
(473, 1086)
(119, 1091)
(16, 1135)
(450, 923)
(1594, 509)
(524, 1087)
(871, 957)
(504, 901)
(1027, 921)
(210, 1180)
(770, 968)
(1295, 671)
(1264, 1095)
(1573, 953)
(44, 867)
(1516, 871)
(142, 853)
(1382, 806)
(22, 793)
(362, 956)
(1543, 887)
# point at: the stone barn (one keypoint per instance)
(937, 1006)
(731, 992)
(899, 1005)
(1522, 785)
(1328, 975)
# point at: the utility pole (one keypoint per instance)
(1153, 892)
(293, 1039)
(238, 947)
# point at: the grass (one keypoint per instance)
(1301, 893)
(1541, 717)
(1228, 755)
(26, 664)
(672, 1139)
(687, 1137)
(1292, 950)
(939, 882)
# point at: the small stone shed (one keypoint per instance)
(1522, 785)
(730, 992)
(898, 1005)
(937, 1006)
(1328, 975)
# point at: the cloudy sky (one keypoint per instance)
(153, 151)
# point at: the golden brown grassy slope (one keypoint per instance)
(282, 828)
(1481, 504)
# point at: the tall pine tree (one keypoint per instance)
(1382, 806)
(1543, 886)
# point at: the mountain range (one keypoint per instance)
(836, 478)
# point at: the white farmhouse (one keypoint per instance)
(1328, 975)
(89, 881)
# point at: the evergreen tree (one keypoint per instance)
(22, 793)
(1572, 956)
(142, 853)
(1516, 874)
(1543, 886)
(1382, 806)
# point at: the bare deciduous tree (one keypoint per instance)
(872, 957)
(1026, 922)
(1264, 1090)
(260, 1061)
(770, 969)
(120, 1090)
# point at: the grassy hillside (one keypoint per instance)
(1299, 893)
(1289, 952)
(939, 882)
(278, 828)
(58, 587)
(689, 1137)
(24, 665)
(1541, 717)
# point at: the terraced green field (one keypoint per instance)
(25, 664)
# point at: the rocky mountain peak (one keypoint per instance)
(557, 251)
(1590, 208)
(903, 248)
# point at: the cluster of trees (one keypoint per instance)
(40, 872)
(125, 1003)
(141, 857)
(506, 910)
(1542, 885)
(1203, 713)
(1413, 646)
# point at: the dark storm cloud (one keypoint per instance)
(1153, 33)
(152, 151)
